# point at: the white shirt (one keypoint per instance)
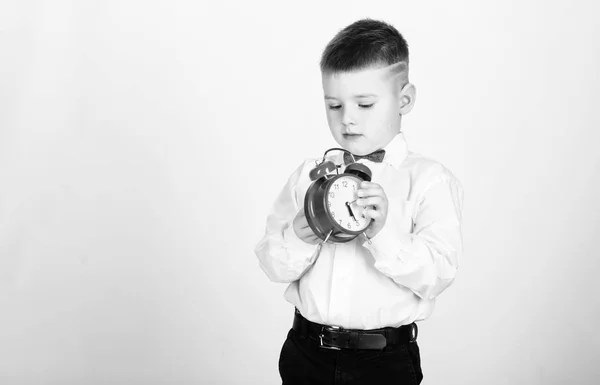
(394, 279)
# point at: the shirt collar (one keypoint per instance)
(395, 152)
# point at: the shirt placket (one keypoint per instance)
(340, 298)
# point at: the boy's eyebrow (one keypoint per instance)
(360, 96)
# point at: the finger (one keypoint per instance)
(301, 220)
(309, 234)
(303, 225)
(378, 201)
(312, 238)
(373, 214)
(371, 191)
(306, 232)
(366, 184)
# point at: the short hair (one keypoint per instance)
(364, 43)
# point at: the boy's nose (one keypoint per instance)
(347, 117)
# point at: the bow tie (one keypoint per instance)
(376, 157)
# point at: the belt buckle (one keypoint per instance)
(328, 328)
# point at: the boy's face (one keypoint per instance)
(363, 108)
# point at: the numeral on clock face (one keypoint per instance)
(342, 207)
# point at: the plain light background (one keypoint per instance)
(143, 143)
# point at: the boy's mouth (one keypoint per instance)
(351, 137)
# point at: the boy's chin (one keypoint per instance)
(356, 148)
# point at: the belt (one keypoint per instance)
(336, 338)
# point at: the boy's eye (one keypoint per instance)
(335, 107)
(366, 105)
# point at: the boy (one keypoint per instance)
(357, 302)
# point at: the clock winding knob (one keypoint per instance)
(322, 170)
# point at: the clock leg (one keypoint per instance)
(368, 239)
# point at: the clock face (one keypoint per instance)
(341, 204)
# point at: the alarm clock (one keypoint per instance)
(330, 202)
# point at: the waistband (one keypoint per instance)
(333, 337)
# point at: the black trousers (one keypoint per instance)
(303, 362)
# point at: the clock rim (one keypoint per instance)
(314, 221)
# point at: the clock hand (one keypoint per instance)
(350, 210)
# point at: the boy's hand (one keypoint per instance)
(303, 230)
(371, 194)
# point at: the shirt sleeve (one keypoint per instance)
(425, 260)
(282, 255)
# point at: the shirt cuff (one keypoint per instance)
(295, 243)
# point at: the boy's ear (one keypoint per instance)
(407, 98)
